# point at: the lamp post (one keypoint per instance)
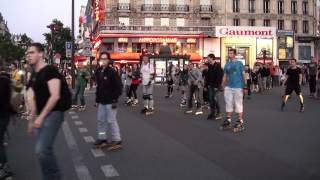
(72, 45)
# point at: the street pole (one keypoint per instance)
(72, 45)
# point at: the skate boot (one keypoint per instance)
(115, 145)
(183, 103)
(301, 108)
(150, 111)
(5, 172)
(189, 111)
(99, 143)
(226, 125)
(218, 116)
(74, 107)
(238, 127)
(144, 110)
(129, 102)
(198, 112)
(135, 102)
(282, 106)
(82, 108)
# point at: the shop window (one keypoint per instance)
(148, 21)
(266, 22)
(151, 48)
(109, 46)
(266, 6)
(180, 22)
(252, 22)
(305, 7)
(305, 25)
(236, 6)
(252, 6)
(280, 7)
(281, 24)
(294, 7)
(191, 48)
(304, 52)
(236, 22)
(164, 21)
(294, 24)
(122, 47)
(136, 47)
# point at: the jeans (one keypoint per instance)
(4, 121)
(107, 121)
(312, 84)
(194, 90)
(133, 90)
(214, 100)
(79, 92)
(46, 136)
(205, 95)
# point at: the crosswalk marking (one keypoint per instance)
(75, 117)
(72, 112)
(109, 171)
(97, 152)
(83, 130)
(78, 123)
(88, 139)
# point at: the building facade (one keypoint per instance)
(128, 27)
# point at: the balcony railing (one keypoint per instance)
(165, 7)
(152, 29)
(123, 6)
(206, 8)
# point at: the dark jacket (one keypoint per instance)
(109, 86)
(5, 91)
(214, 75)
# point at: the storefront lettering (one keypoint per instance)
(122, 40)
(226, 31)
(157, 40)
(97, 10)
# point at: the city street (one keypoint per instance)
(172, 146)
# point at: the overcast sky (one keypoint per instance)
(32, 16)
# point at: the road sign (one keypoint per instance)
(68, 49)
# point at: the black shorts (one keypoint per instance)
(295, 88)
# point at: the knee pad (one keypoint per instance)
(145, 97)
(150, 97)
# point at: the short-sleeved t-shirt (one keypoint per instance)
(40, 86)
(146, 71)
(234, 72)
(293, 76)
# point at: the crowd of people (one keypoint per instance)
(39, 93)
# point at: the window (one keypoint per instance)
(148, 21)
(280, 7)
(252, 6)
(180, 22)
(236, 22)
(305, 52)
(148, 1)
(205, 21)
(205, 2)
(294, 25)
(281, 24)
(165, 21)
(305, 25)
(122, 47)
(305, 7)
(164, 5)
(181, 2)
(124, 21)
(236, 6)
(293, 7)
(266, 22)
(136, 47)
(124, 1)
(109, 46)
(266, 6)
(252, 22)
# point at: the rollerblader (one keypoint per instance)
(81, 83)
(184, 85)
(147, 73)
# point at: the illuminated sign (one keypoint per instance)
(97, 44)
(97, 9)
(243, 31)
(191, 40)
(157, 40)
(122, 40)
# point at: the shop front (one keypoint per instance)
(285, 46)
(253, 44)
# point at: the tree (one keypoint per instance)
(57, 38)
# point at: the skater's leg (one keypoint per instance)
(113, 125)
(228, 96)
(81, 93)
(102, 122)
(134, 90)
(75, 98)
(150, 93)
(145, 96)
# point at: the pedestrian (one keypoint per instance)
(128, 82)
(82, 79)
(214, 80)
(293, 82)
(109, 88)
(5, 112)
(234, 82)
(162, 74)
(248, 78)
(51, 98)
(148, 75)
(205, 93)
(313, 71)
(170, 79)
(195, 82)
(184, 85)
(134, 85)
(255, 79)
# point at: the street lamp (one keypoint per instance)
(72, 47)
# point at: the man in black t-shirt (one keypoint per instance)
(46, 117)
(293, 83)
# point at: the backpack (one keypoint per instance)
(65, 100)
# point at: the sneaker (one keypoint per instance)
(150, 111)
(144, 110)
(115, 145)
(188, 111)
(198, 112)
(99, 143)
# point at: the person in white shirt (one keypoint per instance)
(147, 74)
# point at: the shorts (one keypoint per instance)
(290, 89)
(234, 99)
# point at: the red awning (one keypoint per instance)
(80, 58)
(194, 56)
(125, 56)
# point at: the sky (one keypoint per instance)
(32, 16)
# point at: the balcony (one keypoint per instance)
(123, 6)
(206, 8)
(165, 7)
(155, 29)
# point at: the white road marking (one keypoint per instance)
(72, 112)
(109, 171)
(75, 117)
(83, 130)
(78, 123)
(82, 170)
(88, 139)
(97, 152)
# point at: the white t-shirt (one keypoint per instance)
(146, 71)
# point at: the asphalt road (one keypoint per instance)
(170, 145)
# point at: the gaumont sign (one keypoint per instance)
(245, 31)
